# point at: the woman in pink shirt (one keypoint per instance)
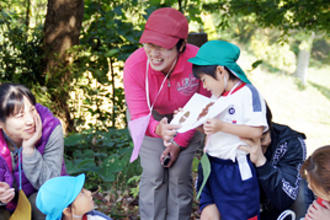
(158, 80)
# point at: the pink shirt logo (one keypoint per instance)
(187, 86)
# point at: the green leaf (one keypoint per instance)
(206, 172)
(73, 140)
(256, 64)
(111, 52)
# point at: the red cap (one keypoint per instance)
(165, 27)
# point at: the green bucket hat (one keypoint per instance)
(223, 53)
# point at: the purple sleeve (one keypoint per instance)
(5, 174)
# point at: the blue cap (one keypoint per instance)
(58, 193)
(223, 53)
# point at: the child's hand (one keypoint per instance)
(253, 147)
(178, 111)
(212, 126)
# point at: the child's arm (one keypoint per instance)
(244, 131)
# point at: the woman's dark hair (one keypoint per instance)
(209, 70)
(179, 45)
(317, 168)
(11, 99)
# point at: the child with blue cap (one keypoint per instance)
(231, 189)
(65, 198)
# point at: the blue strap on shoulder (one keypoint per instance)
(20, 167)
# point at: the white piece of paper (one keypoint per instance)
(197, 110)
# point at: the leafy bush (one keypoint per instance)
(103, 156)
(20, 51)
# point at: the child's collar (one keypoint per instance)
(226, 93)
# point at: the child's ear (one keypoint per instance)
(219, 71)
(67, 211)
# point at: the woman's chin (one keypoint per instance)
(27, 135)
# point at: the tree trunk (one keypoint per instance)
(27, 14)
(61, 30)
(305, 48)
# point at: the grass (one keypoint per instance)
(303, 108)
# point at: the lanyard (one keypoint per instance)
(161, 86)
(20, 167)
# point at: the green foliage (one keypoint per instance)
(134, 190)
(103, 156)
(107, 38)
(20, 52)
(286, 14)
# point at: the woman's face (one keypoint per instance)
(83, 203)
(265, 141)
(161, 59)
(20, 125)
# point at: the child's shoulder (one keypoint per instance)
(248, 90)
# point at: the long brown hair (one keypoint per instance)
(317, 168)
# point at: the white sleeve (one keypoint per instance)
(254, 108)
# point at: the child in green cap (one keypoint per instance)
(232, 187)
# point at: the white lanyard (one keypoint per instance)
(161, 86)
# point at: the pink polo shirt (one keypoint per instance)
(176, 92)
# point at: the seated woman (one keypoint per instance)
(28, 131)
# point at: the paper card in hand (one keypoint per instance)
(197, 110)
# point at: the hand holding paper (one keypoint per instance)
(165, 130)
(197, 110)
(212, 125)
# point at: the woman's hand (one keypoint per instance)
(28, 145)
(6, 193)
(165, 130)
(254, 149)
(173, 151)
(317, 212)
(212, 126)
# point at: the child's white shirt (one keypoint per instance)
(246, 107)
(95, 217)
